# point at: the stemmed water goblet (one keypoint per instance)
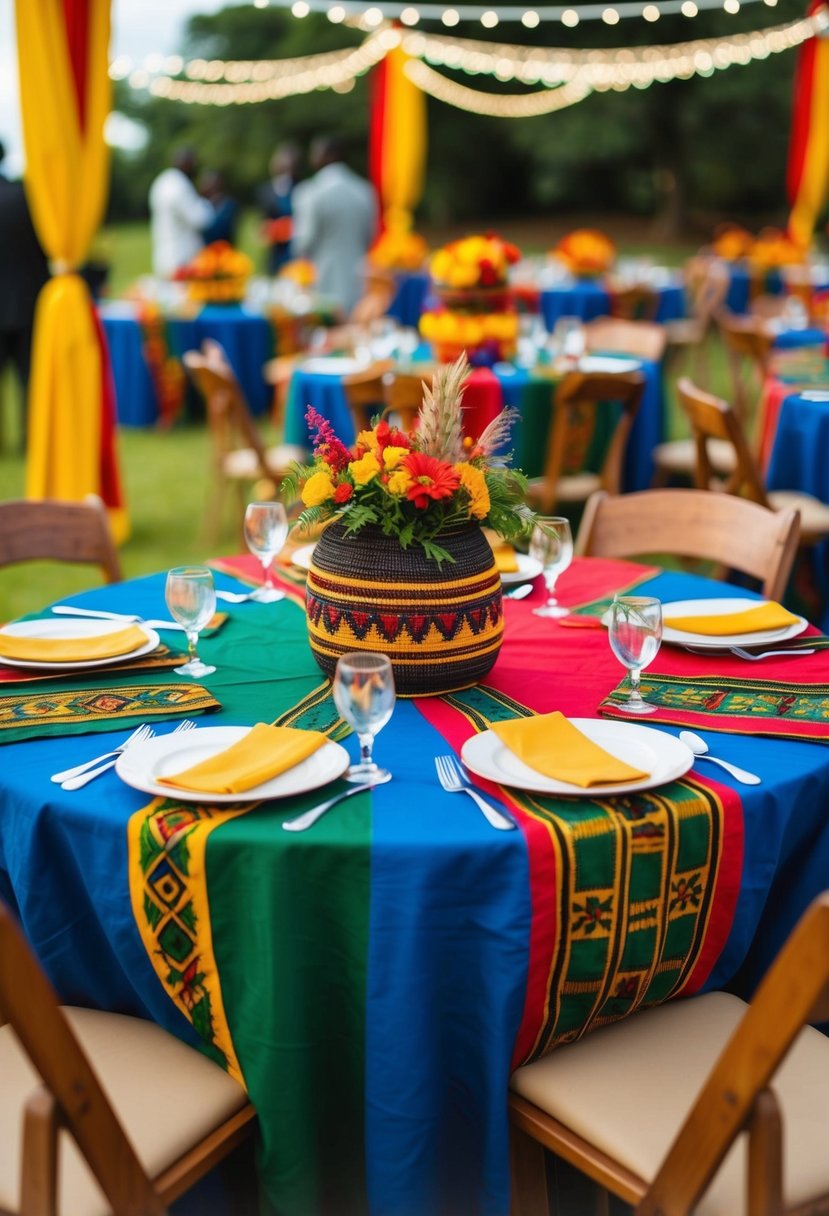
(266, 530)
(191, 598)
(551, 544)
(635, 634)
(364, 695)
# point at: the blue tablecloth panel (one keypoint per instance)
(588, 299)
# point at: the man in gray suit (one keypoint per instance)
(335, 217)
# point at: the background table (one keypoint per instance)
(247, 338)
(590, 298)
(384, 984)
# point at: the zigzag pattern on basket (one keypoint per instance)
(441, 624)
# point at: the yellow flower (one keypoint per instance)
(364, 469)
(368, 440)
(399, 482)
(474, 482)
(318, 488)
(392, 457)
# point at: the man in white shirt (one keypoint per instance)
(178, 215)
(335, 218)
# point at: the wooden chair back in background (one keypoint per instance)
(637, 302)
(365, 394)
(580, 399)
(732, 532)
(143, 1144)
(748, 342)
(403, 395)
(642, 339)
(54, 530)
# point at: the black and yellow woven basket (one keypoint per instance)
(441, 626)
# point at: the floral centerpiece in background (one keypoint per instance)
(731, 242)
(218, 273)
(773, 249)
(476, 312)
(404, 567)
(299, 271)
(586, 252)
(395, 249)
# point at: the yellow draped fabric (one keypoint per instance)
(813, 189)
(404, 144)
(67, 173)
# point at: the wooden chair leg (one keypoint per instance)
(602, 1202)
(765, 1157)
(529, 1193)
(38, 1186)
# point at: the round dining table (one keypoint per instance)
(375, 978)
(589, 298)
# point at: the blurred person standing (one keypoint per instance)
(335, 218)
(178, 214)
(226, 210)
(276, 205)
(23, 271)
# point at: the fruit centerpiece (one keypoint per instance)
(586, 253)
(476, 313)
(404, 567)
(217, 274)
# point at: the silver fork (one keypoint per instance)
(76, 783)
(138, 735)
(452, 778)
(767, 654)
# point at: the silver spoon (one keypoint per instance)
(700, 748)
(519, 593)
(305, 820)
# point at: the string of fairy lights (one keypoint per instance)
(565, 77)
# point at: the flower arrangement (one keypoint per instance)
(474, 261)
(586, 252)
(732, 242)
(299, 271)
(419, 485)
(773, 249)
(217, 272)
(489, 337)
(398, 250)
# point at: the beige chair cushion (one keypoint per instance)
(814, 514)
(243, 464)
(167, 1096)
(574, 488)
(627, 1088)
(680, 456)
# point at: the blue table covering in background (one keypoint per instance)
(412, 290)
(590, 298)
(247, 338)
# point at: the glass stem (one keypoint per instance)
(366, 747)
(635, 695)
(192, 642)
(266, 572)
(550, 581)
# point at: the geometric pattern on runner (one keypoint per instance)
(595, 609)
(316, 711)
(22, 710)
(740, 706)
(635, 879)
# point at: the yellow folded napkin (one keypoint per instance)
(72, 650)
(751, 620)
(552, 745)
(265, 752)
(505, 559)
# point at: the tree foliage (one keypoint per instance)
(709, 146)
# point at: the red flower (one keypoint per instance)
(343, 492)
(390, 437)
(488, 273)
(431, 479)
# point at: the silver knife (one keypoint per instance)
(305, 820)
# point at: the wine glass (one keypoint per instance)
(266, 530)
(551, 543)
(191, 598)
(635, 637)
(364, 695)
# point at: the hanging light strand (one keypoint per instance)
(526, 105)
(489, 17)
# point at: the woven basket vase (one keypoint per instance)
(441, 626)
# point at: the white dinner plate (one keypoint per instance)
(528, 567)
(607, 363)
(663, 757)
(68, 627)
(679, 637)
(334, 365)
(302, 557)
(141, 764)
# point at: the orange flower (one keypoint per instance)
(431, 479)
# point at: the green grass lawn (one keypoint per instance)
(166, 475)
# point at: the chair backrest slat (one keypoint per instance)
(58, 531)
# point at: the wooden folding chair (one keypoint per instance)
(642, 339)
(732, 532)
(239, 457)
(52, 530)
(638, 302)
(706, 288)
(378, 292)
(714, 421)
(655, 1108)
(581, 399)
(403, 396)
(94, 1102)
(364, 392)
(748, 342)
